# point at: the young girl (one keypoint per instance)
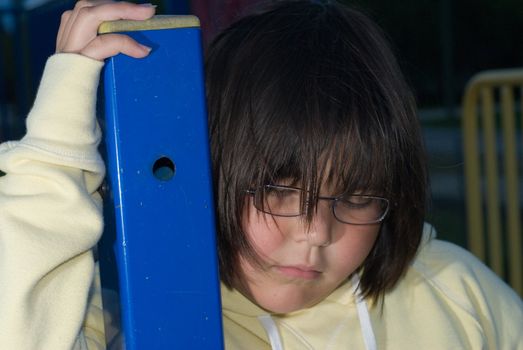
(320, 184)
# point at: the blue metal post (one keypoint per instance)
(160, 179)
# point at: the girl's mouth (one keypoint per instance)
(302, 272)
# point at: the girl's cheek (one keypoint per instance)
(264, 239)
(263, 232)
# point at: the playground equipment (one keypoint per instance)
(161, 188)
(503, 227)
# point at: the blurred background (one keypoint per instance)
(440, 44)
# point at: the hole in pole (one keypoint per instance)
(163, 169)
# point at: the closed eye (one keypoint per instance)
(357, 202)
(281, 192)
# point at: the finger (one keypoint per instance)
(89, 19)
(92, 17)
(63, 23)
(71, 19)
(108, 45)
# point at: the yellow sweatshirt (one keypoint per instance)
(447, 300)
(50, 214)
(50, 219)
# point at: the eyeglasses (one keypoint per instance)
(355, 209)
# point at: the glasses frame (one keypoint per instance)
(334, 201)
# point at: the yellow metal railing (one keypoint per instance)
(493, 206)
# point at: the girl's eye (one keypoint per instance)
(281, 193)
(281, 201)
(357, 201)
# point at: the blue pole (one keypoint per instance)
(160, 179)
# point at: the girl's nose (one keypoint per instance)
(319, 232)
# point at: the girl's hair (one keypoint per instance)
(310, 92)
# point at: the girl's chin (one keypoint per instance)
(282, 307)
(283, 299)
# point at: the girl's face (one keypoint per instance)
(301, 264)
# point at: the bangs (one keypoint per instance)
(311, 150)
(335, 155)
(315, 120)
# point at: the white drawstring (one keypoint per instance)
(363, 314)
(272, 331)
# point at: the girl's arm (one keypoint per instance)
(50, 211)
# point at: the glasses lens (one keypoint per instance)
(279, 200)
(357, 209)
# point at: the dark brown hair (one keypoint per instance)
(301, 84)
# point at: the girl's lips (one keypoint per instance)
(299, 272)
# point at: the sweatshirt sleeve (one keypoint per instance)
(473, 287)
(50, 212)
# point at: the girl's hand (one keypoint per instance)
(79, 27)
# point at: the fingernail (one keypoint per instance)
(148, 4)
(146, 48)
